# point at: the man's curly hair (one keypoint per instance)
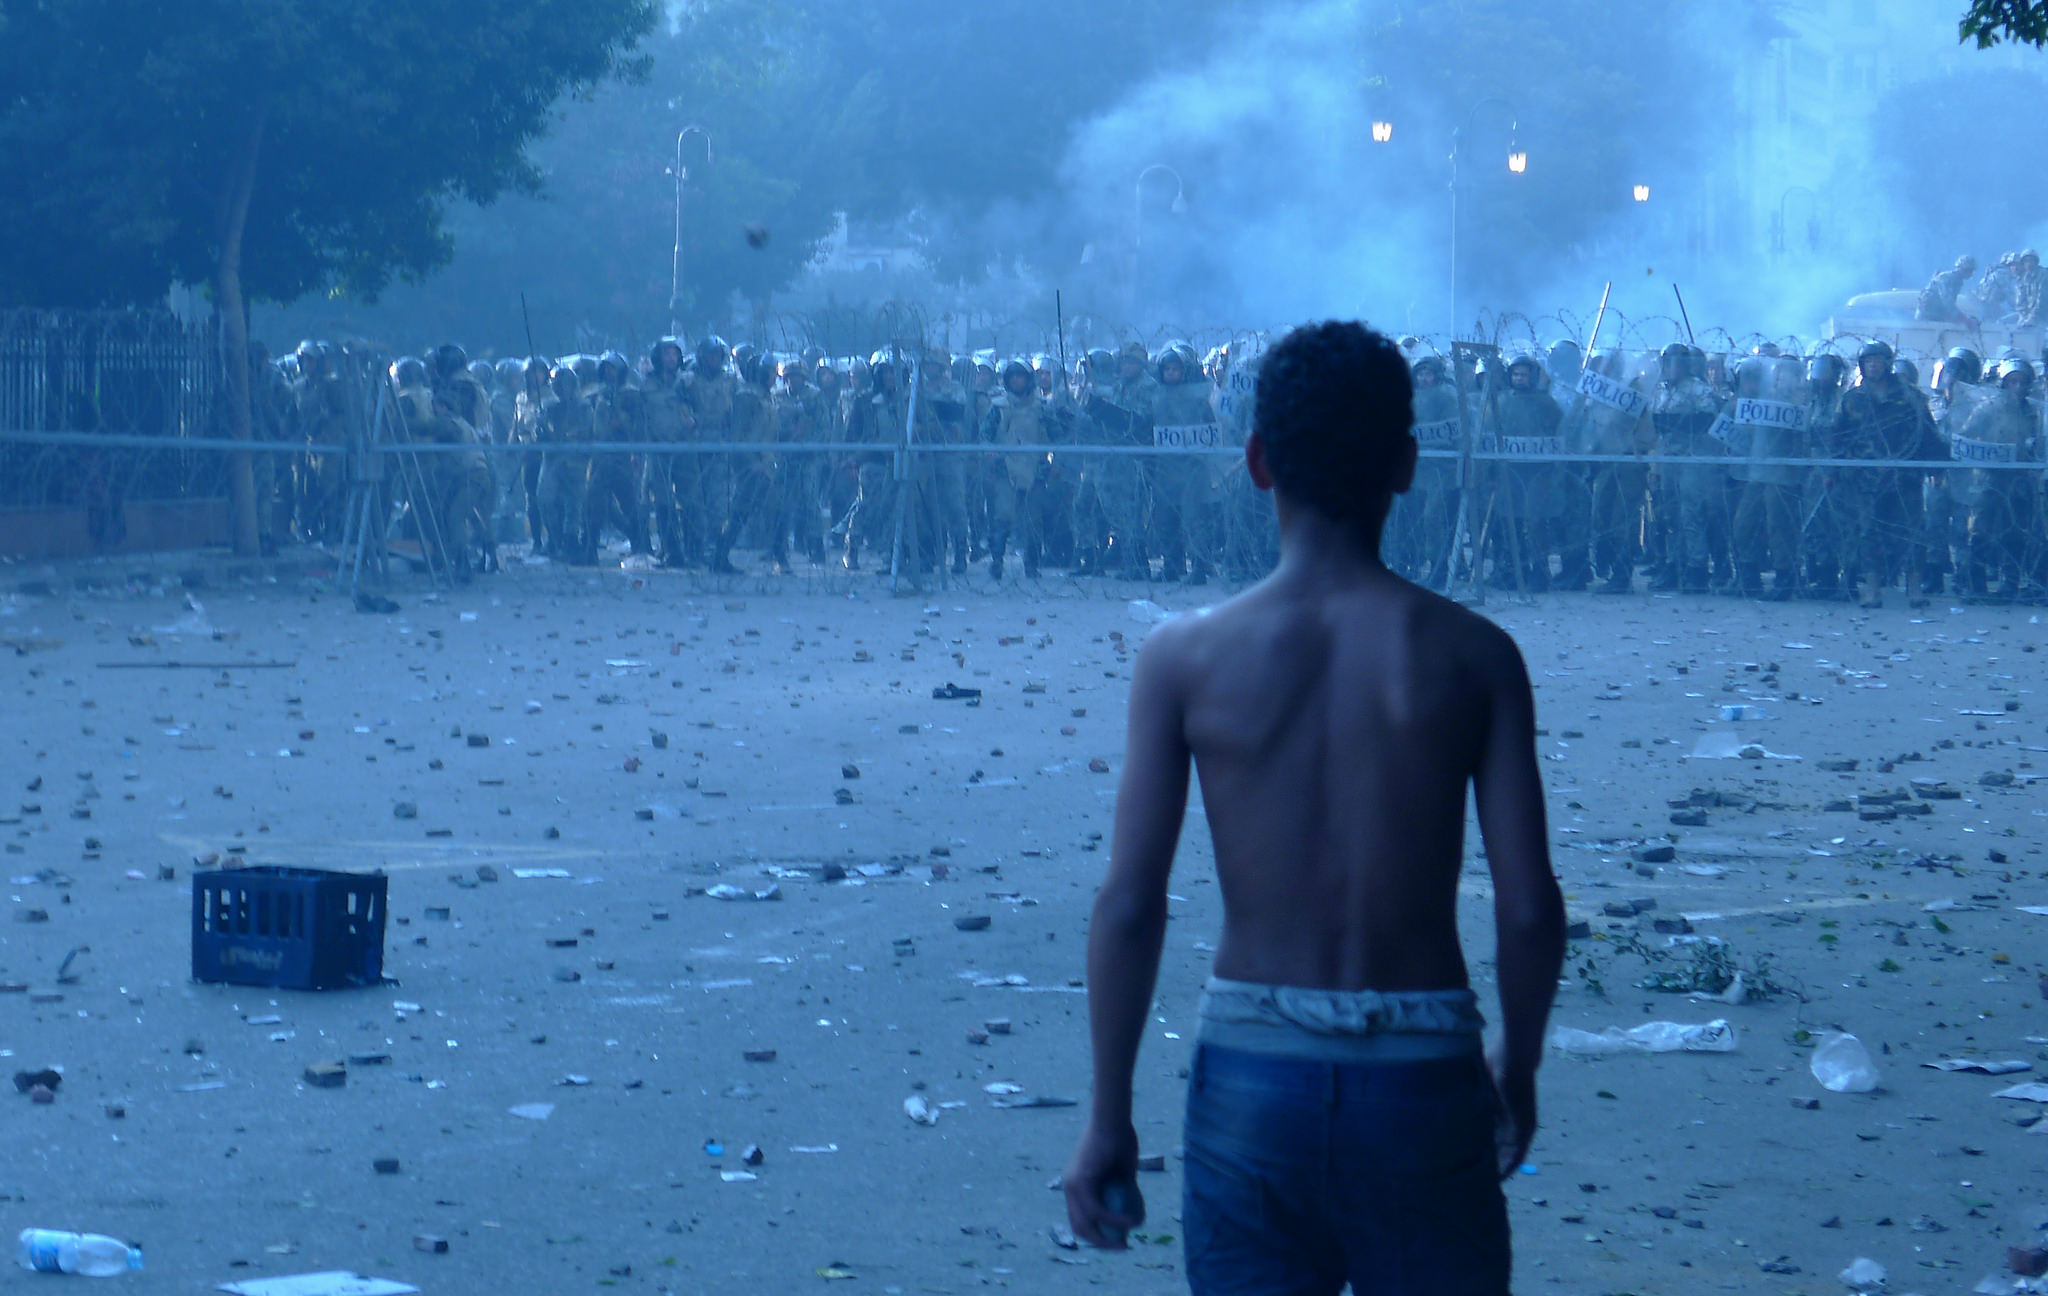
(1336, 409)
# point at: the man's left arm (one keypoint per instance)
(1125, 936)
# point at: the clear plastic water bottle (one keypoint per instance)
(91, 1254)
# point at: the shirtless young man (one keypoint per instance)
(1343, 1123)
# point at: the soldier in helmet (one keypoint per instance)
(457, 385)
(1881, 418)
(1057, 493)
(943, 476)
(753, 474)
(506, 376)
(529, 415)
(1091, 515)
(2003, 504)
(452, 526)
(320, 409)
(1682, 411)
(1823, 544)
(2027, 285)
(703, 482)
(1184, 503)
(878, 418)
(799, 485)
(1423, 520)
(613, 496)
(666, 419)
(1948, 512)
(1994, 290)
(1544, 508)
(1939, 299)
(1768, 413)
(566, 429)
(1124, 412)
(1018, 417)
(1613, 418)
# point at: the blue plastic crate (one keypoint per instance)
(293, 928)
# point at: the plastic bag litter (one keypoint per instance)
(1863, 1273)
(1716, 1036)
(1724, 745)
(1146, 612)
(1843, 1065)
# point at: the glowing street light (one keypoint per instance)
(1382, 131)
(1642, 192)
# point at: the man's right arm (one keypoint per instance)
(1528, 909)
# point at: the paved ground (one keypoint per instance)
(661, 743)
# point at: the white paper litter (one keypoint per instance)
(1981, 1066)
(338, 1282)
(2033, 1091)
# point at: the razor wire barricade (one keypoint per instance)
(1481, 517)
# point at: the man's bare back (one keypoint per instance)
(1335, 721)
(1335, 715)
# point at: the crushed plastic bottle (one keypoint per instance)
(1863, 1273)
(93, 1255)
(1843, 1065)
(1716, 1036)
(1146, 612)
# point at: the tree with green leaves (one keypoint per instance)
(269, 151)
(1992, 21)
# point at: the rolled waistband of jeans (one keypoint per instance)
(1340, 1026)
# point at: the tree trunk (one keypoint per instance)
(227, 283)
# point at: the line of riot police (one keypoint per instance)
(530, 452)
(1693, 476)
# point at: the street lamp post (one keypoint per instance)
(675, 268)
(1518, 163)
(1138, 216)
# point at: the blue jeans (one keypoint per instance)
(1301, 1176)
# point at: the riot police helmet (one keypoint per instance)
(1752, 375)
(665, 346)
(1906, 371)
(1825, 369)
(408, 371)
(1961, 364)
(1565, 360)
(1874, 353)
(449, 360)
(485, 375)
(711, 355)
(1674, 362)
(1017, 369)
